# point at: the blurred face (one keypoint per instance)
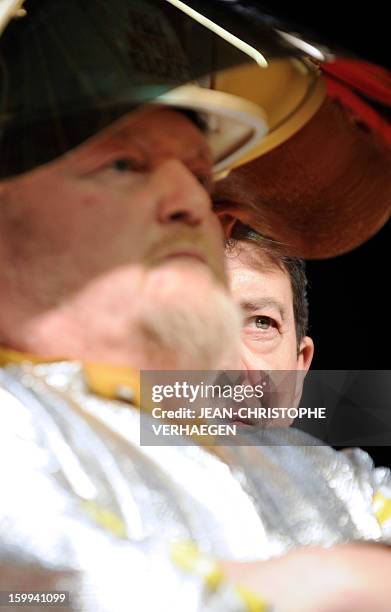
(112, 252)
(264, 294)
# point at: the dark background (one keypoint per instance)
(350, 313)
(359, 28)
(349, 296)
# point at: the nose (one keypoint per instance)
(182, 198)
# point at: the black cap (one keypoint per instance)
(69, 68)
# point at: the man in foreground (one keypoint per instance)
(111, 255)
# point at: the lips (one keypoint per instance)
(181, 252)
(187, 255)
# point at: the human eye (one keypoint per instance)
(118, 167)
(124, 164)
(261, 326)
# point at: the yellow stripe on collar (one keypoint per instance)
(109, 381)
(112, 382)
(10, 356)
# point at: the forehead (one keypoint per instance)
(253, 275)
(153, 129)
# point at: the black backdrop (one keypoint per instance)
(350, 297)
(359, 28)
(350, 312)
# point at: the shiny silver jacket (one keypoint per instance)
(85, 508)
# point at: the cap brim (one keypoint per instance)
(233, 126)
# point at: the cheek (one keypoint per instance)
(88, 201)
(253, 359)
(114, 292)
(52, 210)
(98, 222)
(265, 356)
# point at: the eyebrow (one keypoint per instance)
(249, 305)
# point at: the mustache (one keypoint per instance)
(185, 235)
(190, 240)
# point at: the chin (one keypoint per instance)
(187, 321)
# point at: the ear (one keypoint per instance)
(306, 353)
